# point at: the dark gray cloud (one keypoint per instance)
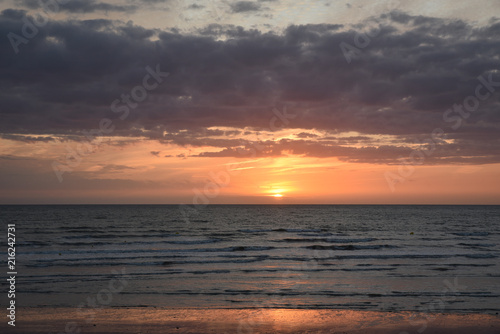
(155, 1)
(27, 139)
(64, 80)
(245, 6)
(195, 6)
(85, 6)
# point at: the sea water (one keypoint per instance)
(422, 258)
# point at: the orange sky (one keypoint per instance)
(129, 173)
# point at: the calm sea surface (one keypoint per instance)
(427, 258)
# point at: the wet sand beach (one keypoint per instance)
(157, 320)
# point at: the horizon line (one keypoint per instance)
(255, 204)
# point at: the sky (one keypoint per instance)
(258, 102)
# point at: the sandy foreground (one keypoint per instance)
(156, 320)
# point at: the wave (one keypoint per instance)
(477, 245)
(93, 263)
(481, 256)
(142, 242)
(330, 240)
(349, 247)
(291, 230)
(471, 234)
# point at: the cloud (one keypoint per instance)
(245, 6)
(65, 79)
(306, 135)
(85, 6)
(103, 171)
(195, 6)
(27, 138)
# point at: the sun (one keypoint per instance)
(276, 190)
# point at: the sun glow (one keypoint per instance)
(277, 190)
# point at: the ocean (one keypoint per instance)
(359, 257)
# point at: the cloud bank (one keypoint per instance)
(397, 88)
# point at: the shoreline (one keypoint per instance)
(186, 320)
